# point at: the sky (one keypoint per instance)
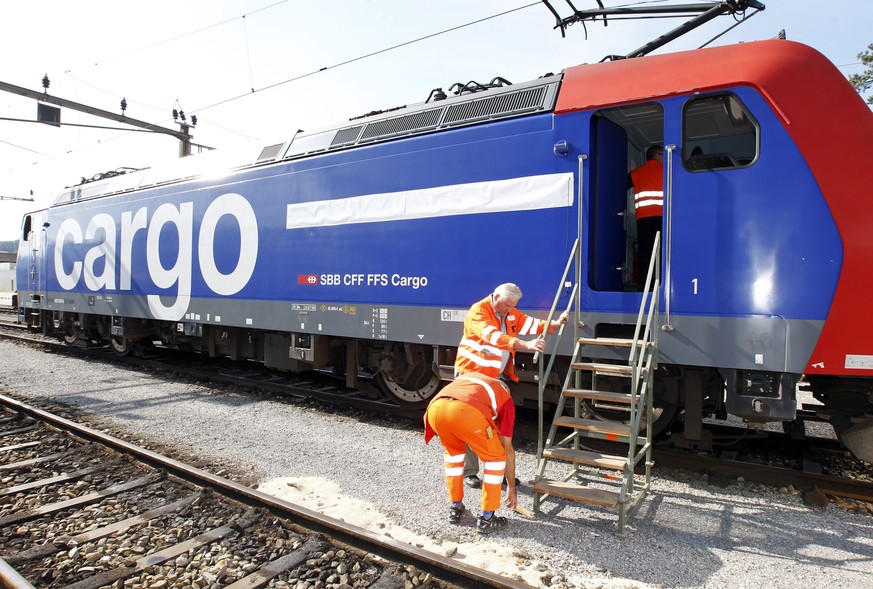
(256, 71)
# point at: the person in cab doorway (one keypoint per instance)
(489, 343)
(648, 184)
(475, 411)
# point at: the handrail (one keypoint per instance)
(544, 371)
(575, 255)
(650, 287)
(668, 209)
(561, 286)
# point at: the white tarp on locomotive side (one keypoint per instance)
(496, 196)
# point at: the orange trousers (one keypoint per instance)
(458, 424)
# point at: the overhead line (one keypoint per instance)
(24, 148)
(340, 64)
(367, 55)
(182, 36)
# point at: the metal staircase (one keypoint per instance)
(622, 389)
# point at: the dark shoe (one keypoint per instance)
(455, 513)
(473, 481)
(517, 483)
(488, 525)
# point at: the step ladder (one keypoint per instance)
(615, 481)
(605, 480)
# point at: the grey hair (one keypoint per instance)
(508, 290)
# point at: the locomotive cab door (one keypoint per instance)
(30, 253)
(619, 139)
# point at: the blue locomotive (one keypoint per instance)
(360, 247)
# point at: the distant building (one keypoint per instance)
(7, 271)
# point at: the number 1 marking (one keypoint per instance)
(694, 282)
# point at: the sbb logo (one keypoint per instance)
(307, 279)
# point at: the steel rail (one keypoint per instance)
(351, 399)
(778, 476)
(769, 475)
(454, 572)
(11, 579)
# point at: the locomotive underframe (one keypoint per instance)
(409, 373)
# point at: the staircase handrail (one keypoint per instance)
(649, 288)
(538, 359)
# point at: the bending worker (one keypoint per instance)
(489, 343)
(475, 411)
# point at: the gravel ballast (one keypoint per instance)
(381, 475)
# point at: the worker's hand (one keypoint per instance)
(561, 320)
(511, 500)
(537, 345)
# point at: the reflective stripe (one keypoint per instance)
(495, 465)
(647, 198)
(492, 479)
(491, 335)
(528, 327)
(481, 348)
(487, 387)
(479, 360)
(455, 471)
(453, 459)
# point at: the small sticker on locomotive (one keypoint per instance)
(859, 361)
(456, 315)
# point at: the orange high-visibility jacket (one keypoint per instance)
(488, 395)
(648, 182)
(480, 348)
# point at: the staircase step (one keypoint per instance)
(587, 457)
(609, 341)
(610, 396)
(622, 369)
(609, 430)
(577, 493)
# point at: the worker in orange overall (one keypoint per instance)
(489, 343)
(648, 184)
(476, 411)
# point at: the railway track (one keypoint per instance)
(80, 509)
(795, 463)
(318, 386)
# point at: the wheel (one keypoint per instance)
(663, 415)
(413, 391)
(849, 406)
(856, 434)
(69, 338)
(406, 374)
(120, 345)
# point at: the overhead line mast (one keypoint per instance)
(183, 135)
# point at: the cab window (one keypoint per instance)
(719, 133)
(25, 228)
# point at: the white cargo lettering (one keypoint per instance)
(105, 250)
(183, 219)
(69, 228)
(240, 209)
(129, 227)
(167, 218)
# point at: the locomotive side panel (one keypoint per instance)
(326, 244)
